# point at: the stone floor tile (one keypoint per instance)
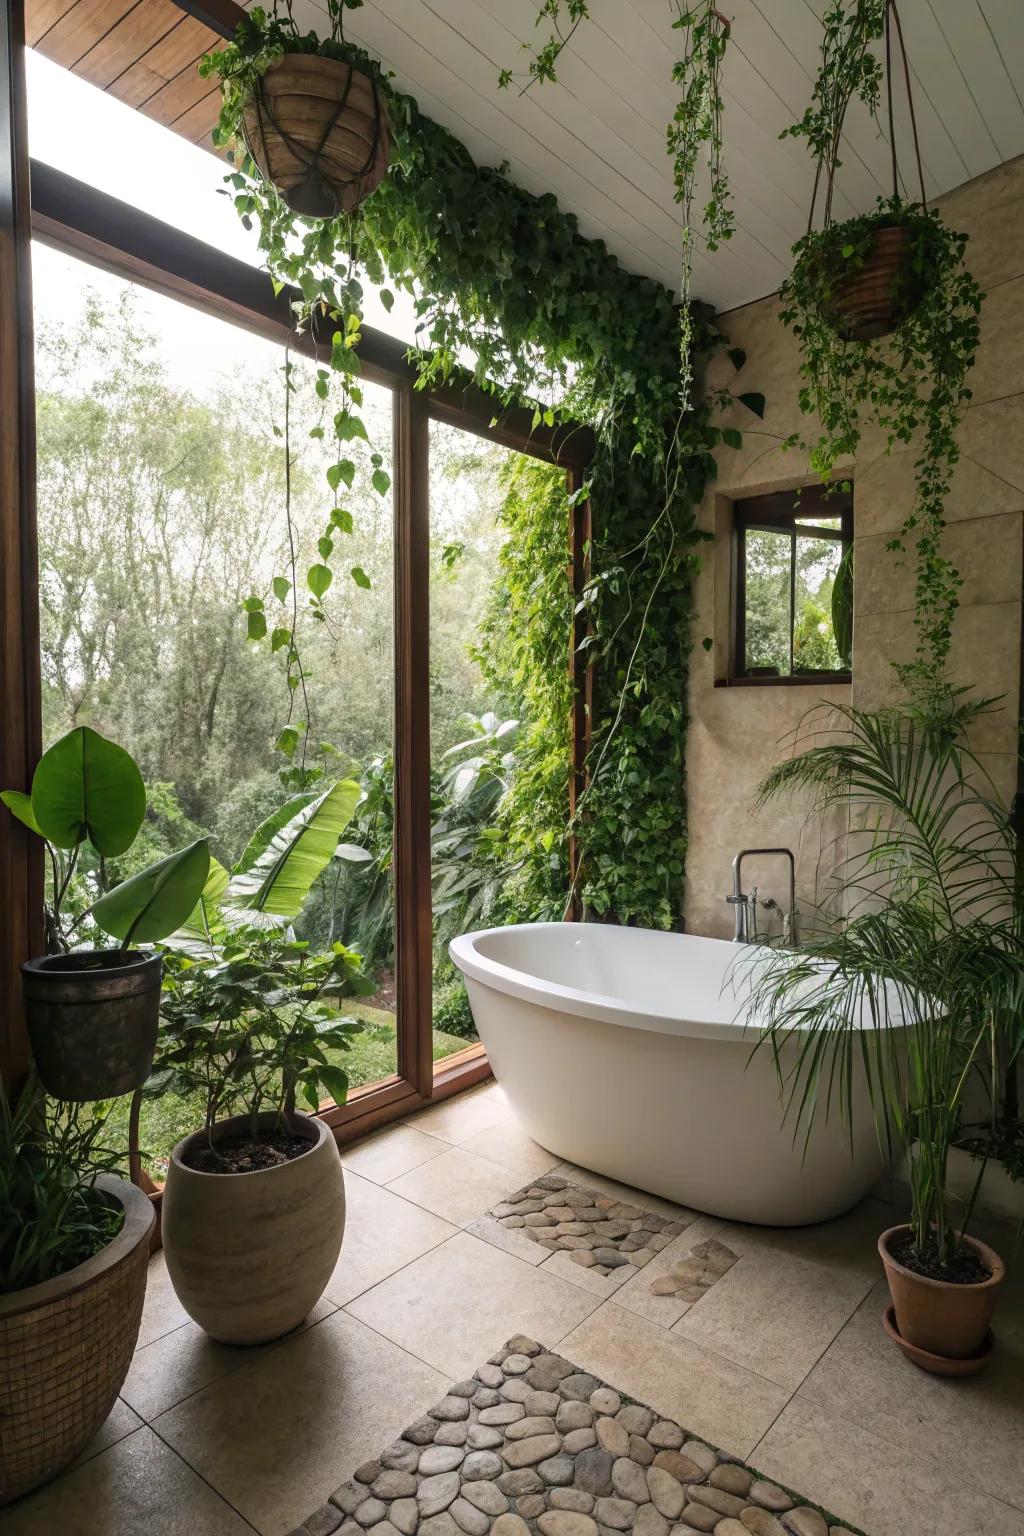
(162, 1311)
(508, 1238)
(391, 1153)
(277, 1436)
(976, 1426)
(120, 1421)
(774, 1314)
(602, 1286)
(874, 1484)
(464, 1115)
(714, 1398)
(458, 1185)
(636, 1295)
(460, 1302)
(134, 1486)
(849, 1242)
(382, 1233)
(508, 1143)
(171, 1369)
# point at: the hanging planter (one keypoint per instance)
(317, 129)
(874, 288)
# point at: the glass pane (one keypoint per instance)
(473, 731)
(819, 522)
(767, 574)
(814, 645)
(161, 507)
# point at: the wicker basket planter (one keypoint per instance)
(318, 130)
(870, 300)
(65, 1348)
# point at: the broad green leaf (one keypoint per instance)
(281, 588)
(153, 904)
(280, 637)
(288, 741)
(255, 626)
(353, 854)
(20, 805)
(335, 1080)
(204, 926)
(360, 577)
(381, 481)
(732, 438)
(88, 787)
(318, 579)
(268, 830)
(281, 878)
(737, 357)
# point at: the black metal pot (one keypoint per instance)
(92, 1020)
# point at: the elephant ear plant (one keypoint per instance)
(92, 1014)
(916, 979)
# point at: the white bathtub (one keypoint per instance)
(625, 1050)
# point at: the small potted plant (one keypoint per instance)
(92, 1014)
(254, 1204)
(74, 1249)
(310, 112)
(915, 975)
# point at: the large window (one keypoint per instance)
(791, 588)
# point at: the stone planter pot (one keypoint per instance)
(249, 1254)
(92, 1019)
(65, 1348)
(937, 1318)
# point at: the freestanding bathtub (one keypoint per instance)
(627, 1051)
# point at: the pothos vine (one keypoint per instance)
(505, 277)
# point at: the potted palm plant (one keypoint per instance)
(924, 938)
(74, 1248)
(92, 1013)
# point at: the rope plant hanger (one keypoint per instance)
(885, 313)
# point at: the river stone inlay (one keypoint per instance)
(596, 1463)
(597, 1231)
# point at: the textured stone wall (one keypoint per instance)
(737, 733)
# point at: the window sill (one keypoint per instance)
(804, 680)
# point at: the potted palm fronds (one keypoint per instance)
(310, 112)
(924, 938)
(92, 1013)
(74, 1248)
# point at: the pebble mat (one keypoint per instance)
(531, 1445)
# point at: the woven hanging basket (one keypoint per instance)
(65, 1348)
(317, 129)
(871, 300)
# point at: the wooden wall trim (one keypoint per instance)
(21, 860)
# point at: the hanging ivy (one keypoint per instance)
(549, 317)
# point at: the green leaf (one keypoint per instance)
(255, 626)
(335, 1080)
(731, 438)
(325, 547)
(268, 830)
(342, 472)
(360, 577)
(753, 402)
(280, 878)
(347, 427)
(204, 926)
(279, 638)
(20, 805)
(381, 481)
(737, 357)
(281, 587)
(88, 787)
(341, 518)
(318, 580)
(154, 903)
(288, 741)
(387, 299)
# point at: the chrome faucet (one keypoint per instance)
(745, 906)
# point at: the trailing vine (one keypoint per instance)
(504, 278)
(694, 135)
(911, 380)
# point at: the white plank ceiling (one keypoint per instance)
(596, 139)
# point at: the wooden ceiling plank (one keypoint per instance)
(78, 29)
(41, 15)
(127, 42)
(185, 44)
(175, 98)
(197, 124)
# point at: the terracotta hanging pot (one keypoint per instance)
(317, 129)
(869, 300)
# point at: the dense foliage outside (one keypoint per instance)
(160, 497)
(772, 621)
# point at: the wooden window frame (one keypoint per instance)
(780, 512)
(99, 229)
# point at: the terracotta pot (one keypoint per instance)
(318, 130)
(249, 1254)
(936, 1316)
(92, 1019)
(65, 1348)
(870, 300)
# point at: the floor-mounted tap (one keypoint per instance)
(745, 906)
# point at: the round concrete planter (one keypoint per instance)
(65, 1348)
(249, 1254)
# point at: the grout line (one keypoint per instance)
(204, 1479)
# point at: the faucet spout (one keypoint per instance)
(745, 907)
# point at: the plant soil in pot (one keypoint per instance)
(946, 1317)
(317, 128)
(65, 1348)
(250, 1247)
(93, 1018)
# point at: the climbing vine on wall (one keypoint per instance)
(551, 318)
